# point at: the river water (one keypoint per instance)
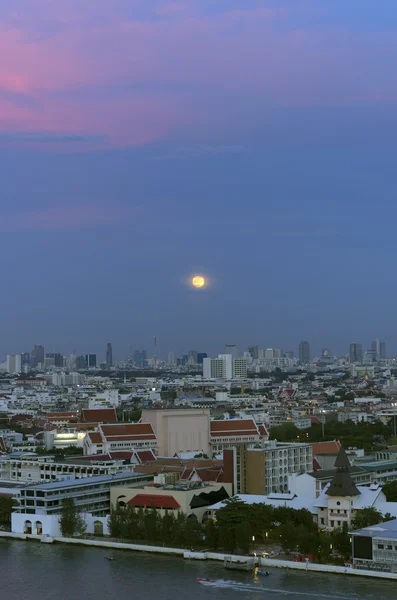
(34, 571)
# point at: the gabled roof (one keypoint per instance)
(99, 415)
(129, 430)
(331, 447)
(95, 437)
(234, 427)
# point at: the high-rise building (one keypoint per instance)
(25, 358)
(14, 363)
(192, 356)
(58, 359)
(383, 351)
(376, 347)
(72, 360)
(304, 353)
(37, 356)
(289, 354)
(80, 363)
(231, 349)
(200, 357)
(109, 355)
(171, 358)
(224, 367)
(356, 353)
(277, 352)
(269, 353)
(90, 361)
(140, 358)
(254, 351)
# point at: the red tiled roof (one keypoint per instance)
(332, 447)
(95, 437)
(154, 501)
(129, 429)
(316, 465)
(315, 420)
(238, 427)
(100, 415)
(145, 455)
(263, 430)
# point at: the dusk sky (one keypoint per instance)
(145, 141)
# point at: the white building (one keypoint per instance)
(224, 367)
(14, 364)
(40, 505)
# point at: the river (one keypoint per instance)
(34, 571)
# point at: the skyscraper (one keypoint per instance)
(254, 351)
(90, 361)
(231, 349)
(304, 353)
(383, 351)
(171, 358)
(14, 363)
(109, 355)
(356, 353)
(376, 348)
(37, 356)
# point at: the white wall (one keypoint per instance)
(50, 523)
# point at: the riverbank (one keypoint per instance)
(202, 556)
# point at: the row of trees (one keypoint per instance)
(362, 435)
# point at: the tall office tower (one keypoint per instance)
(200, 357)
(140, 358)
(269, 353)
(289, 354)
(72, 362)
(14, 363)
(58, 359)
(37, 356)
(231, 349)
(254, 351)
(376, 347)
(109, 355)
(304, 353)
(192, 356)
(25, 358)
(356, 353)
(383, 351)
(90, 361)
(277, 352)
(171, 358)
(80, 363)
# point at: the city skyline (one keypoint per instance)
(302, 351)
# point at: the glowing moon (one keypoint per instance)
(198, 281)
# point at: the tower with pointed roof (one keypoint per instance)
(341, 493)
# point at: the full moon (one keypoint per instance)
(198, 281)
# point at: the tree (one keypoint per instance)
(70, 520)
(243, 537)
(341, 542)
(150, 524)
(6, 505)
(390, 491)
(287, 536)
(193, 532)
(367, 516)
(212, 535)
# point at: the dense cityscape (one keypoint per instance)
(212, 449)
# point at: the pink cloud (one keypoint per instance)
(82, 216)
(108, 72)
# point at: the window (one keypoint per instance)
(332, 523)
(390, 547)
(380, 546)
(322, 520)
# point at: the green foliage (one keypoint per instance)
(390, 491)
(367, 516)
(362, 435)
(70, 520)
(341, 542)
(6, 505)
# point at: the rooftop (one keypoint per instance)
(85, 481)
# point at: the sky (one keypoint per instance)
(145, 141)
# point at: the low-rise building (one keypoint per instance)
(39, 506)
(120, 436)
(375, 547)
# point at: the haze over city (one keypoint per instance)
(143, 143)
